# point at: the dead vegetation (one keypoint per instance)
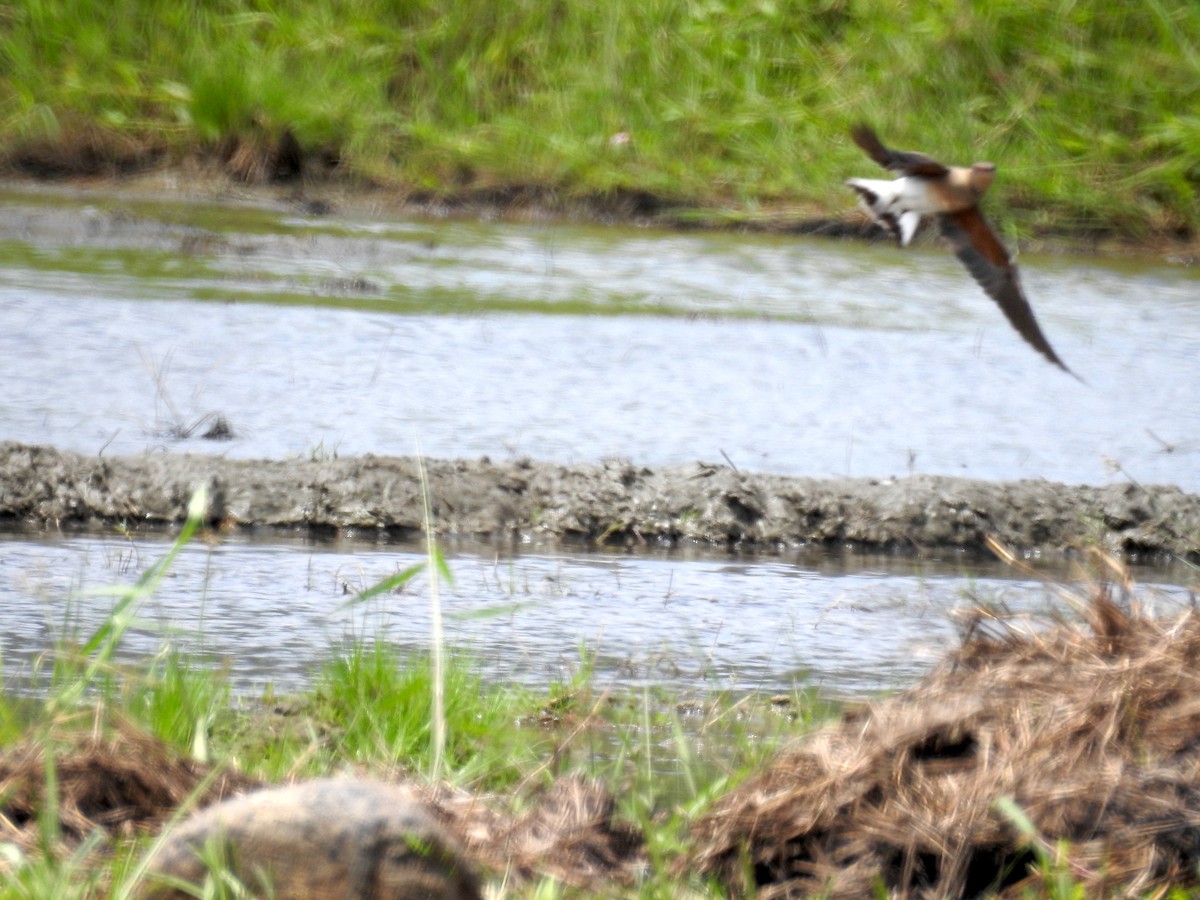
(126, 784)
(568, 832)
(212, 426)
(80, 149)
(259, 158)
(1090, 730)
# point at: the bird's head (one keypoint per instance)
(982, 174)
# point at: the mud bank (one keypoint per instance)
(615, 503)
(199, 182)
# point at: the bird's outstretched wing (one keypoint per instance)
(979, 249)
(907, 161)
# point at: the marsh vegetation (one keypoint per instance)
(734, 109)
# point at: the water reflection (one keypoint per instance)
(273, 613)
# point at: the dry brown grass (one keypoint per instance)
(128, 783)
(1092, 728)
(261, 159)
(124, 782)
(80, 149)
(568, 832)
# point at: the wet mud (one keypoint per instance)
(138, 175)
(616, 503)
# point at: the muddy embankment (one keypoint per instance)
(615, 503)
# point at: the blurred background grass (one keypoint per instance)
(1092, 110)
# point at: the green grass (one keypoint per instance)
(1090, 109)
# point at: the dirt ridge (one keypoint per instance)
(614, 503)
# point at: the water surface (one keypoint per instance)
(273, 613)
(125, 324)
(788, 355)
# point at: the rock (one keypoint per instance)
(330, 838)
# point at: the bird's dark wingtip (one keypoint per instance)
(865, 137)
(1072, 373)
(1048, 352)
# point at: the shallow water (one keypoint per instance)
(273, 613)
(800, 357)
(122, 323)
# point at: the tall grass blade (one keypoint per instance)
(387, 585)
(101, 647)
(437, 566)
(49, 826)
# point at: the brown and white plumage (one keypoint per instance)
(952, 193)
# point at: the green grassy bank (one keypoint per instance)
(1090, 109)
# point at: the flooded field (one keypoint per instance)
(121, 324)
(127, 327)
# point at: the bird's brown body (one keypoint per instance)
(952, 193)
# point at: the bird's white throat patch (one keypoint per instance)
(897, 204)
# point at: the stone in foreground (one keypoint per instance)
(331, 838)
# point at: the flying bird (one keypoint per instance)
(952, 193)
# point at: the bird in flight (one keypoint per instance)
(952, 193)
